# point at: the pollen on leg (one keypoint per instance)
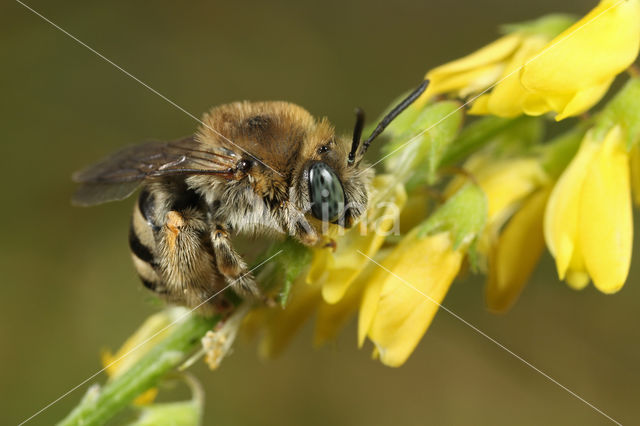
(175, 221)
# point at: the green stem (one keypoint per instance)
(98, 407)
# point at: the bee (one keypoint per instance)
(251, 169)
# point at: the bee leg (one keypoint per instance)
(186, 264)
(297, 225)
(231, 265)
(332, 244)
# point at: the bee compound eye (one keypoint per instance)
(326, 193)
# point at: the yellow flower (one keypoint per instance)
(332, 317)
(516, 252)
(516, 195)
(635, 173)
(508, 97)
(336, 270)
(280, 325)
(505, 181)
(403, 295)
(535, 72)
(472, 73)
(575, 70)
(498, 62)
(588, 223)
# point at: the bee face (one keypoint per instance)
(334, 192)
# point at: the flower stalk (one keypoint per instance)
(100, 405)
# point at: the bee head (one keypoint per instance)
(336, 186)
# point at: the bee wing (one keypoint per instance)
(119, 175)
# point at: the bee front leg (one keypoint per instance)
(297, 225)
(231, 265)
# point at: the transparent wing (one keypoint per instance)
(119, 175)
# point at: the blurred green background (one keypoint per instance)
(68, 288)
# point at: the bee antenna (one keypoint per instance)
(357, 134)
(392, 115)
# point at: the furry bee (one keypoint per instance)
(251, 169)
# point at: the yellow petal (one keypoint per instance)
(331, 318)
(576, 275)
(471, 81)
(339, 279)
(519, 248)
(535, 104)
(506, 182)
(371, 295)
(577, 279)
(583, 100)
(634, 164)
(586, 55)
(472, 73)
(494, 52)
(282, 324)
(606, 222)
(322, 262)
(561, 213)
(411, 295)
(506, 99)
(346, 263)
(481, 79)
(480, 105)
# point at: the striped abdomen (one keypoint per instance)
(142, 242)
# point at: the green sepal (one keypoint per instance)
(175, 413)
(475, 258)
(421, 138)
(282, 270)
(519, 137)
(182, 413)
(548, 25)
(558, 153)
(502, 131)
(464, 215)
(623, 110)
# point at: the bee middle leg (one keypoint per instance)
(231, 265)
(186, 264)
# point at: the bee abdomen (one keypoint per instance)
(142, 244)
(138, 249)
